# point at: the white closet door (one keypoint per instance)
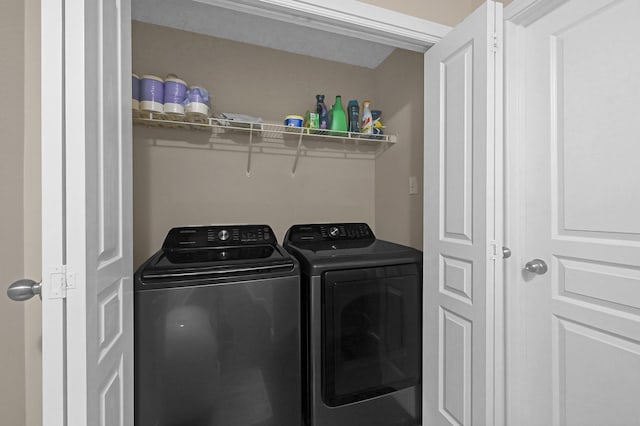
(89, 379)
(578, 354)
(462, 226)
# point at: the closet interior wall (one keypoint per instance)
(199, 182)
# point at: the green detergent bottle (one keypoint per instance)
(338, 118)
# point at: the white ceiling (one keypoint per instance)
(229, 20)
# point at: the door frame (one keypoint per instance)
(52, 214)
(518, 16)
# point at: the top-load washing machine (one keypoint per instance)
(217, 330)
(362, 316)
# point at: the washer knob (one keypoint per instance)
(223, 235)
(334, 231)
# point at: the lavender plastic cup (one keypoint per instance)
(152, 91)
(175, 91)
(135, 92)
(197, 101)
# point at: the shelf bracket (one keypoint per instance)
(250, 150)
(295, 162)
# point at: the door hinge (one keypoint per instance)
(495, 250)
(495, 42)
(60, 280)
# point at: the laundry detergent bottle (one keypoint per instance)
(323, 114)
(338, 118)
(354, 116)
(366, 124)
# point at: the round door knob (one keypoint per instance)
(23, 290)
(506, 252)
(536, 266)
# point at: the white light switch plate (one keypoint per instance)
(413, 185)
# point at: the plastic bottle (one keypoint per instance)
(366, 125)
(338, 118)
(354, 116)
(377, 124)
(321, 109)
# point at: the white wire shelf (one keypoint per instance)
(267, 133)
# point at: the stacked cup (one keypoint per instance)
(175, 91)
(197, 101)
(152, 94)
(135, 92)
(169, 96)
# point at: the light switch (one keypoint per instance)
(413, 185)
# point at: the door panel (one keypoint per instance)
(580, 348)
(462, 115)
(456, 103)
(98, 213)
(592, 135)
(581, 329)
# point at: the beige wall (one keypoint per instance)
(32, 213)
(20, 323)
(12, 323)
(197, 184)
(448, 12)
(399, 88)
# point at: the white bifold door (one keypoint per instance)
(568, 350)
(87, 261)
(462, 250)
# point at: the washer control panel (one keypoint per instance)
(218, 235)
(330, 232)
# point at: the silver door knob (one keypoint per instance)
(536, 266)
(24, 290)
(506, 252)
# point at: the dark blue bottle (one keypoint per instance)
(323, 115)
(354, 116)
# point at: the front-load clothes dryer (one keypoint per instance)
(362, 316)
(217, 330)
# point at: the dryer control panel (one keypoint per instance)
(330, 232)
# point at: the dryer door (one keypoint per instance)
(371, 332)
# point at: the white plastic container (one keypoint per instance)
(197, 102)
(175, 92)
(152, 93)
(366, 121)
(135, 92)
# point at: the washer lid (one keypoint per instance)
(216, 262)
(202, 252)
